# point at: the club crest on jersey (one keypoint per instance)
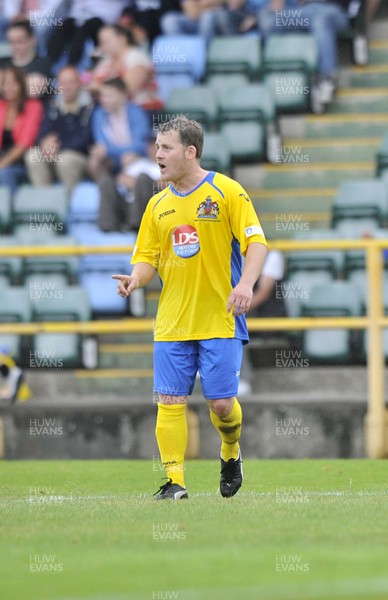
(208, 209)
(185, 241)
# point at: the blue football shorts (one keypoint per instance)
(218, 361)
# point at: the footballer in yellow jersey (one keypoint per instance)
(195, 241)
(194, 234)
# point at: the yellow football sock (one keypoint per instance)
(171, 435)
(229, 428)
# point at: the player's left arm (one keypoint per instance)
(240, 297)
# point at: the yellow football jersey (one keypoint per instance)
(195, 241)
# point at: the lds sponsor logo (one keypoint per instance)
(185, 241)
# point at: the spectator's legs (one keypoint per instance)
(71, 168)
(89, 30)
(39, 169)
(59, 38)
(325, 21)
(113, 208)
(207, 24)
(174, 23)
(12, 176)
(144, 189)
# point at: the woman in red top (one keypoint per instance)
(20, 119)
(122, 58)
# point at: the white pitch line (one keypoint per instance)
(288, 491)
(345, 588)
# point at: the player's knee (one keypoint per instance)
(169, 399)
(222, 406)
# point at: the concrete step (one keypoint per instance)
(294, 150)
(317, 175)
(360, 100)
(345, 125)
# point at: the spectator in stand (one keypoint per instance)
(142, 18)
(123, 198)
(239, 16)
(120, 131)
(132, 64)
(43, 15)
(37, 69)
(65, 135)
(197, 17)
(325, 19)
(86, 17)
(20, 119)
(267, 301)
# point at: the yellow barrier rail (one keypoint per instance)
(376, 421)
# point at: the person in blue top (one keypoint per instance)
(120, 129)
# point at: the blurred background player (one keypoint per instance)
(193, 233)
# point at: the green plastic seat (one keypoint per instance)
(216, 154)
(382, 155)
(197, 102)
(246, 140)
(73, 305)
(44, 208)
(339, 298)
(361, 198)
(298, 285)
(67, 265)
(332, 261)
(290, 63)
(15, 307)
(63, 349)
(234, 54)
(5, 208)
(248, 102)
(356, 227)
(10, 267)
(221, 83)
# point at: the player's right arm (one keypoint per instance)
(142, 274)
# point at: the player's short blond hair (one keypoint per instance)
(190, 131)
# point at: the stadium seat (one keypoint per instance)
(338, 298)
(15, 307)
(234, 54)
(67, 265)
(382, 155)
(43, 208)
(96, 271)
(84, 203)
(246, 141)
(290, 63)
(62, 350)
(361, 198)
(216, 154)
(180, 54)
(356, 228)
(246, 103)
(221, 83)
(198, 102)
(5, 209)
(167, 82)
(332, 261)
(10, 267)
(298, 285)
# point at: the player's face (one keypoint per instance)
(171, 156)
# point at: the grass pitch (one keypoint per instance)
(89, 530)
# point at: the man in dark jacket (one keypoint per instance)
(65, 136)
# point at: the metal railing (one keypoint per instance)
(376, 421)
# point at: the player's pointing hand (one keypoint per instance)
(240, 298)
(126, 285)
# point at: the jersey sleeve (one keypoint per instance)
(147, 248)
(244, 221)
